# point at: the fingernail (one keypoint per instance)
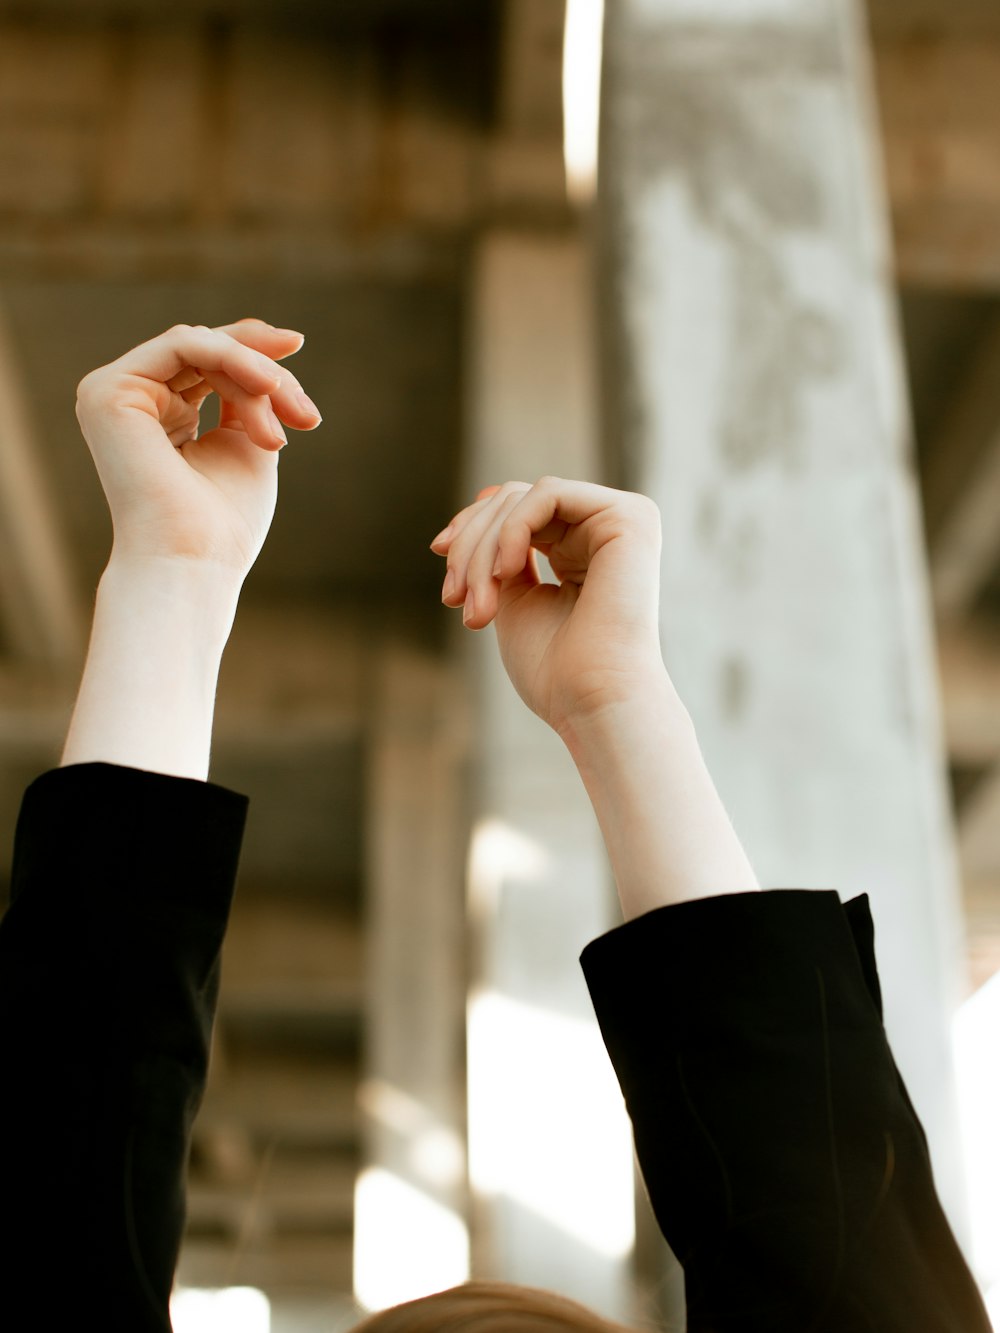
(277, 431)
(469, 610)
(498, 565)
(449, 585)
(442, 536)
(307, 404)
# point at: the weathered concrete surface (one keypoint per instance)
(539, 886)
(755, 388)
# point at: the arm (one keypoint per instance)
(784, 1161)
(122, 878)
(190, 515)
(585, 656)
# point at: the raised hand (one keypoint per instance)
(173, 492)
(190, 513)
(590, 641)
(585, 656)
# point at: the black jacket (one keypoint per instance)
(780, 1150)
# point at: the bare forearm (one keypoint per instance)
(148, 691)
(668, 836)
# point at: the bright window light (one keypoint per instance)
(978, 1078)
(406, 1244)
(993, 1304)
(582, 37)
(543, 1099)
(230, 1310)
(498, 853)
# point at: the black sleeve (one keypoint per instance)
(783, 1158)
(109, 964)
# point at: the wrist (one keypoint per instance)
(667, 833)
(609, 728)
(148, 691)
(193, 599)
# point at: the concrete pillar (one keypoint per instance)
(550, 1152)
(754, 385)
(410, 1231)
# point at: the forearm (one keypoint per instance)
(148, 691)
(668, 836)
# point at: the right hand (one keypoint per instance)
(592, 641)
(176, 494)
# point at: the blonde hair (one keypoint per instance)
(489, 1307)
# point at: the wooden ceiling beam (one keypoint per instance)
(280, 1264)
(966, 551)
(39, 608)
(979, 833)
(939, 97)
(969, 665)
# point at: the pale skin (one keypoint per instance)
(191, 512)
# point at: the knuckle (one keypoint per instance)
(646, 508)
(91, 387)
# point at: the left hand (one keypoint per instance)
(592, 641)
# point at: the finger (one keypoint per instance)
(208, 350)
(290, 401)
(482, 597)
(272, 341)
(471, 527)
(197, 393)
(251, 411)
(447, 535)
(547, 512)
(184, 379)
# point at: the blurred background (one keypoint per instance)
(775, 308)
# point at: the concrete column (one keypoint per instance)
(754, 385)
(410, 1233)
(550, 1152)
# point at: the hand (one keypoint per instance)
(591, 641)
(172, 493)
(585, 656)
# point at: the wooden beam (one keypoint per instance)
(39, 608)
(982, 918)
(979, 832)
(969, 666)
(940, 109)
(966, 551)
(281, 1194)
(299, 1101)
(291, 948)
(288, 1263)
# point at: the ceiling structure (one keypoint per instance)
(330, 169)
